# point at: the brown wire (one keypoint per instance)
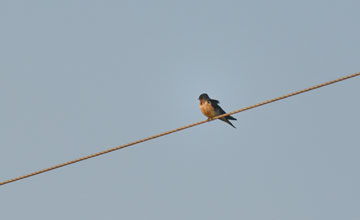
(178, 129)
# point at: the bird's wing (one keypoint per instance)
(218, 110)
(214, 101)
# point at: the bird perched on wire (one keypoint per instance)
(210, 108)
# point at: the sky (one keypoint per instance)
(78, 77)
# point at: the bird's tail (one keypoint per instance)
(229, 117)
(227, 121)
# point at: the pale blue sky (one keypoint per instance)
(78, 77)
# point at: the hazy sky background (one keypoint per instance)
(78, 77)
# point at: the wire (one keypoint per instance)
(178, 129)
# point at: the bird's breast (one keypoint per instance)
(207, 109)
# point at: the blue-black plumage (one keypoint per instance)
(210, 108)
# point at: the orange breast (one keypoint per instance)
(207, 109)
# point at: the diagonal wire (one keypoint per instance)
(178, 129)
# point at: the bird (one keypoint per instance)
(210, 108)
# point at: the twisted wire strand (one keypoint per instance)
(177, 129)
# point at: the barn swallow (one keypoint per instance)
(210, 108)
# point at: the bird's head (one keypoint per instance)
(204, 96)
